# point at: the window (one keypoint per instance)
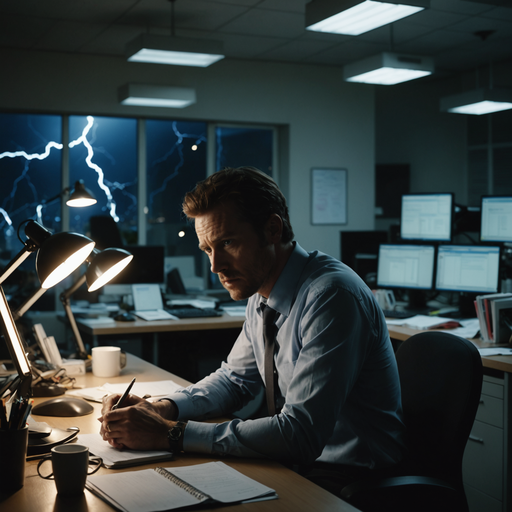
(30, 172)
(103, 153)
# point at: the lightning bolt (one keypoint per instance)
(178, 146)
(111, 205)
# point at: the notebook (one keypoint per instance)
(170, 488)
(148, 303)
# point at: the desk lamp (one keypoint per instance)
(105, 266)
(57, 256)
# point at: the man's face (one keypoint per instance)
(237, 255)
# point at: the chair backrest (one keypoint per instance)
(441, 380)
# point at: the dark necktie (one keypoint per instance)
(269, 335)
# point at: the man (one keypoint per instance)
(337, 395)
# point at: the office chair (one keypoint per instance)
(441, 380)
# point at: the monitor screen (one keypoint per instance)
(406, 266)
(468, 268)
(426, 217)
(496, 225)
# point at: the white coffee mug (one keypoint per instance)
(70, 464)
(106, 361)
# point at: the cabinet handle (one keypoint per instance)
(476, 439)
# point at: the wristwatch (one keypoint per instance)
(175, 436)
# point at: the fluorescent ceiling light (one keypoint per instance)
(156, 96)
(388, 69)
(172, 50)
(355, 17)
(478, 102)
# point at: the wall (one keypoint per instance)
(329, 123)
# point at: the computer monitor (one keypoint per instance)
(147, 267)
(427, 217)
(406, 266)
(409, 268)
(496, 224)
(468, 268)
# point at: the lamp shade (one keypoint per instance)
(81, 196)
(61, 254)
(178, 51)
(105, 266)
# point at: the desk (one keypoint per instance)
(487, 457)
(295, 492)
(154, 328)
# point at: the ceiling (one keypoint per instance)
(263, 30)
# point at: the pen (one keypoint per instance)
(123, 398)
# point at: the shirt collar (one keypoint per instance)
(283, 292)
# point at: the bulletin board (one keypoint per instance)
(329, 196)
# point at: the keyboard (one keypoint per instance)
(193, 312)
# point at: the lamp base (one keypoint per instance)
(47, 389)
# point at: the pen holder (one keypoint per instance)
(13, 450)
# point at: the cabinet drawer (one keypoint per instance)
(492, 388)
(479, 502)
(490, 410)
(482, 467)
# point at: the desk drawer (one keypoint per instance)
(490, 410)
(494, 389)
(482, 466)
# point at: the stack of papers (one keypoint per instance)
(153, 389)
(422, 322)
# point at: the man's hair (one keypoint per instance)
(255, 195)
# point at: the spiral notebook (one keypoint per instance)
(161, 489)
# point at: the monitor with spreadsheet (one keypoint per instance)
(496, 224)
(406, 266)
(468, 268)
(427, 217)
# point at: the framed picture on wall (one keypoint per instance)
(329, 196)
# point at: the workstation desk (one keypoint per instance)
(153, 329)
(488, 454)
(295, 492)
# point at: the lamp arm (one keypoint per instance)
(66, 303)
(25, 306)
(17, 261)
(58, 196)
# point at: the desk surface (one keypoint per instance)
(295, 492)
(142, 326)
(502, 363)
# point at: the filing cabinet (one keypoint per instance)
(485, 464)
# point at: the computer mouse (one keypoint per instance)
(124, 317)
(63, 406)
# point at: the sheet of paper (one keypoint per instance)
(197, 303)
(112, 455)
(235, 310)
(155, 388)
(498, 351)
(421, 322)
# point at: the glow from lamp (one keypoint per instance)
(364, 17)
(68, 266)
(80, 197)
(105, 266)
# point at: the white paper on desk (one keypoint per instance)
(112, 455)
(155, 388)
(235, 310)
(469, 329)
(421, 322)
(197, 303)
(499, 351)
(91, 394)
(93, 322)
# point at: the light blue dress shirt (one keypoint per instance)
(337, 374)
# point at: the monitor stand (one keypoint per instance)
(417, 301)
